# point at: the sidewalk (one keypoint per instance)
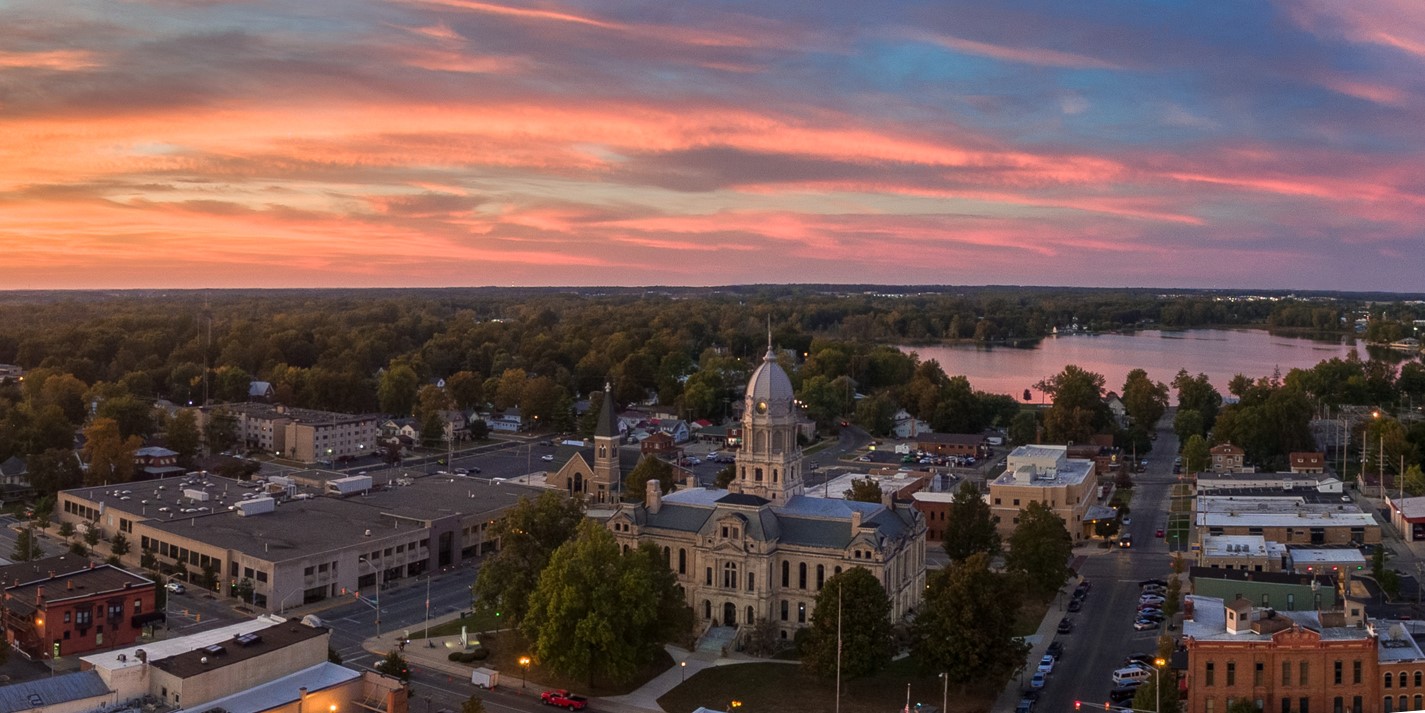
(1038, 645)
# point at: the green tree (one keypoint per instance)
(595, 613)
(54, 470)
(66, 530)
(220, 430)
(1144, 399)
(528, 533)
(110, 456)
(970, 527)
(865, 643)
(1414, 481)
(133, 415)
(1188, 423)
(1196, 393)
(397, 390)
(1196, 454)
(649, 468)
(865, 490)
(91, 535)
(182, 435)
(1147, 697)
(1024, 429)
(1039, 549)
(472, 704)
(1106, 528)
(395, 665)
(876, 413)
(965, 627)
(26, 547)
(119, 545)
(1078, 411)
(432, 430)
(466, 388)
(725, 476)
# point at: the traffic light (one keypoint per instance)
(1106, 705)
(1078, 705)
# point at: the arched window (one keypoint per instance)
(707, 609)
(757, 474)
(751, 582)
(785, 609)
(1388, 678)
(750, 616)
(774, 475)
(729, 575)
(667, 555)
(682, 561)
(820, 576)
(786, 574)
(578, 482)
(1389, 704)
(625, 549)
(802, 576)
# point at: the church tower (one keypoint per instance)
(607, 477)
(770, 462)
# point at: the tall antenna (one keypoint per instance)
(208, 347)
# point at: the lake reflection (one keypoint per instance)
(1219, 353)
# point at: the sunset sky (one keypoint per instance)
(200, 143)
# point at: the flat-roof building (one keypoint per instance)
(300, 434)
(1047, 475)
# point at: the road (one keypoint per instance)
(1104, 633)
(9, 536)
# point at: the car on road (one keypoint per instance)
(1125, 540)
(560, 698)
(1025, 705)
(1066, 626)
(1144, 624)
(1076, 604)
(1151, 599)
(1040, 678)
(1046, 664)
(547, 457)
(1127, 521)
(1152, 582)
(1158, 532)
(176, 587)
(1056, 649)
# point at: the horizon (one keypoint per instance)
(453, 144)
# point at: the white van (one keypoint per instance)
(1132, 674)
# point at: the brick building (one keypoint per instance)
(66, 605)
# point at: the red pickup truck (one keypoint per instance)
(561, 698)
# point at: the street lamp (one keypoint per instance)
(380, 577)
(524, 670)
(684, 665)
(1158, 682)
(945, 692)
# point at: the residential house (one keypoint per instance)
(1309, 463)
(677, 428)
(657, 444)
(908, 426)
(260, 391)
(1227, 458)
(1116, 407)
(507, 421)
(14, 471)
(157, 462)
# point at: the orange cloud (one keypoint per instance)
(57, 60)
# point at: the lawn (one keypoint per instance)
(473, 623)
(1030, 615)
(787, 687)
(506, 648)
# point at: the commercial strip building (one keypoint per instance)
(1282, 591)
(299, 546)
(1045, 474)
(299, 434)
(1298, 661)
(1226, 483)
(1287, 519)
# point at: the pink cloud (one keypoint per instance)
(1037, 56)
(57, 60)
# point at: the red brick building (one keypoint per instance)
(66, 605)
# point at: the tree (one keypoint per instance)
(472, 704)
(182, 435)
(965, 627)
(1078, 411)
(876, 413)
(432, 430)
(148, 560)
(1106, 528)
(26, 547)
(855, 599)
(91, 535)
(1145, 400)
(119, 545)
(595, 612)
(1196, 454)
(1039, 549)
(865, 490)
(66, 530)
(970, 527)
(1024, 429)
(762, 638)
(527, 534)
(395, 665)
(110, 456)
(134, 416)
(220, 430)
(54, 470)
(397, 390)
(1188, 423)
(649, 468)
(1414, 481)
(466, 389)
(1196, 393)
(1147, 698)
(725, 476)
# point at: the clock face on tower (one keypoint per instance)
(761, 407)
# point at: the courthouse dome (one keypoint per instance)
(770, 382)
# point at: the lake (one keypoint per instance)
(1219, 353)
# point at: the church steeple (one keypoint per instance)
(607, 476)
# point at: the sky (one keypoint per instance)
(424, 143)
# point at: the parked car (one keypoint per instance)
(1148, 582)
(1046, 664)
(1151, 599)
(1123, 694)
(1141, 658)
(547, 457)
(1066, 626)
(1127, 521)
(176, 587)
(1056, 649)
(1076, 604)
(1144, 625)
(1039, 680)
(560, 698)
(1025, 705)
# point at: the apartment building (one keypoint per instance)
(1044, 474)
(299, 434)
